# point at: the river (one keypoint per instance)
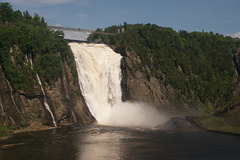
(96, 142)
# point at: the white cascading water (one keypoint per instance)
(45, 101)
(44, 95)
(2, 109)
(99, 75)
(14, 103)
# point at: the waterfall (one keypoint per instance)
(2, 109)
(31, 62)
(14, 103)
(65, 82)
(99, 75)
(44, 95)
(45, 102)
(13, 122)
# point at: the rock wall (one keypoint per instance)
(236, 60)
(136, 86)
(64, 99)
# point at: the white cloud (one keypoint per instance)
(235, 35)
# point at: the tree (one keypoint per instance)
(36, 19)
(6, 12)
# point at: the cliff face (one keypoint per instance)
(236, 60)
(64, 98)
(136, 86)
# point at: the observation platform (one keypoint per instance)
(77, 34)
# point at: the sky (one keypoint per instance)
(218, 16)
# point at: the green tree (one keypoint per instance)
(6, 12)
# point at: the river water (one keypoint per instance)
(96, 142)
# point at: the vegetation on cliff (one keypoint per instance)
(24, 37)
(198, 65)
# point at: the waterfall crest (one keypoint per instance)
(99, 75)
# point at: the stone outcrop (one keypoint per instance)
(182, 124)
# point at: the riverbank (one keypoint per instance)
(6, 132)
(210, 124)
(221, 125)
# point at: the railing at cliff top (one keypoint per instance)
(80, 30)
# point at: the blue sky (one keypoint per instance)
(219, 16)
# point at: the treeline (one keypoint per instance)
(24, 37)
(198, 65)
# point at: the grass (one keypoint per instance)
(220, 124)
(226, 119)
(4, 131)
(235, 99)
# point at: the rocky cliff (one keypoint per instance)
(137, 87)
(64, 98)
